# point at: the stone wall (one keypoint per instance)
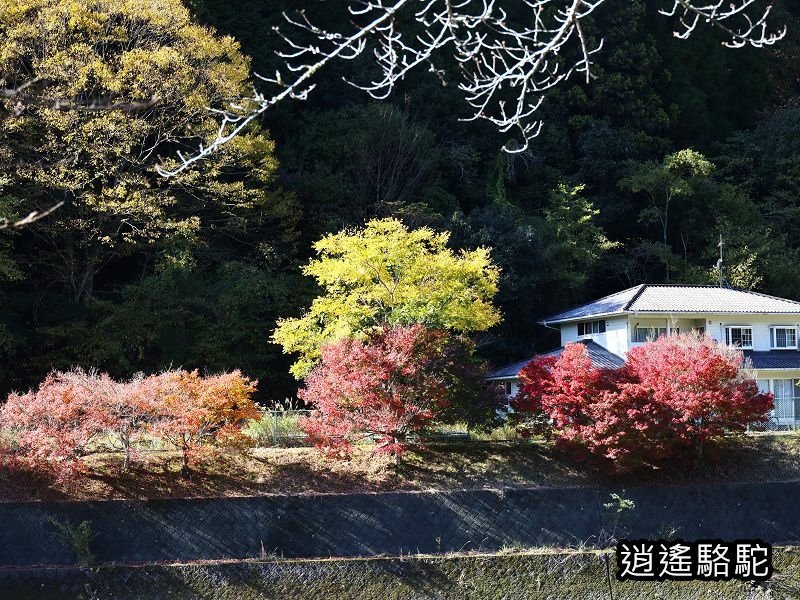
(398, 523)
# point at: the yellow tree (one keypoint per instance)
(153, 73)
(387, 274)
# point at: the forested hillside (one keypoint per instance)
(633, 179)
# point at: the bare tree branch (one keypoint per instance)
(6, 223)
(25, 99)
(730, 17)
(507, 63)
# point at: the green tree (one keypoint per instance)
(676, 177)
(573, 241)
(765, 164)
(545, 260)
(387, 274)
(758, 252)
(370, 161)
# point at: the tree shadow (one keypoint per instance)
(441, 465)
(23, 485)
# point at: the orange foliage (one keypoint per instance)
(75, 413)
(195, 411)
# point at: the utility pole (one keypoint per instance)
(719, 262)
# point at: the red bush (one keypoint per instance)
(75, 413)
(55, 425)
(672, 395)
(390, 388)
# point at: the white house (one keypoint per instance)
(765, 327)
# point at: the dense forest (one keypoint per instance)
(633, 179)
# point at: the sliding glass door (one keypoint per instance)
(786, 391)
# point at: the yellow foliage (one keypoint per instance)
(385, 273)
(102, 163)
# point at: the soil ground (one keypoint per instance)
(461, 465)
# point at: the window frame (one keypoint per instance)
(659, 331)
(729, 338)
(602, 327)
(773, 337)
(786, 406)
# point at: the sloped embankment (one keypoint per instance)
(395, 523)
(521, 575)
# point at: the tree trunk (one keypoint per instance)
(666, 232)
(185, 471)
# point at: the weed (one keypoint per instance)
(79, 538)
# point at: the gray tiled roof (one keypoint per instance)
(669, 298)
(776, 359)
(511, 370)
(606, 305)
(600, 357)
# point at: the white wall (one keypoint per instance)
(619, 331)
(715, 326)
(569, 333)
(615, 338)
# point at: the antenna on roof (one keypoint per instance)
(719, 262)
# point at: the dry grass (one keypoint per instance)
(442, 466)
(538, 573)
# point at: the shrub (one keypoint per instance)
(391, 388)
(70, 413)
(195, 412)
(55, 425)
(79, 538)
(127, 408)
(9, 452)
(671, 397)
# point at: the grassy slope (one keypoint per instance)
(532, 575)
(443, 466)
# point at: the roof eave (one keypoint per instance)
(618, 313)
(547, 322)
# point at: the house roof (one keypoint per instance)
(600, 357)
(776, 359)
(676, 298)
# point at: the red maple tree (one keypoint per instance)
(671, 397)
(390, 388)
(131, 408)
(54, 426)
(75, 413)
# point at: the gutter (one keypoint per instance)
(548, 326)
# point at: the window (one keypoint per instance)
(786, 393)
(508, 388)
(739, 336)
(590, 327)
(783, 337)
(642, 334)
(787, 397)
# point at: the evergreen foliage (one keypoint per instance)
(138, 273)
